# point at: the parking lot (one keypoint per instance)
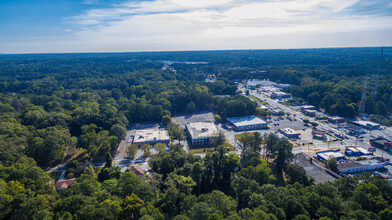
(204, 116)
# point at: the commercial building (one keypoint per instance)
(151, 136)
(310, 113)
(336, 119)
(307, 107)
(277, 112)
(367, 125)
(280, 95)
(263, 107)
(290, 133)
(357, 151)
(354, 130)
(247, 123)
(359, 166)
(321, 117)
(326, 155)
(278, 135)
(201, 133)
(381, 143)
(319, 133)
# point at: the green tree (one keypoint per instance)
(332, 164)
(119, 131)
(381, 108)
(146, 149)
(297, 174)
(184, 184)
(132, 205)
(151, 211)
(160, 147)
(107, 173)
(127, 183)
(217, 118)
(132, 150)
(385, 214)
(200, 211)
(49, 145)
(285, 154)
(220, 140)
(108, 160)
(166, 119)
(176, 132)
(191, 107)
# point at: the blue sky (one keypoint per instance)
(41, 26)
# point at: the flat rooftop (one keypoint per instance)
(348, 165)
(151, 135)
(331, 154)
(290, 131)
(261, 83)
(335, 118)
(278, 135)
(307, 106)
(380, 141)
(366, 123)
(248, 120)
(202, 129)
(280, 93)
(358, 163)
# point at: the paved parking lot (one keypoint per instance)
(205, 116)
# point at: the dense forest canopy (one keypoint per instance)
(53, 105)
(43, 94)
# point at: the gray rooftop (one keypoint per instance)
(202, 129)
(146, 135)
(247, 120)
(358, 163)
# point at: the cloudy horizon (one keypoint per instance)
(43, 26)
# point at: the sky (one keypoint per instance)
(62, 26)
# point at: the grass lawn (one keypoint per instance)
(79, 155)
(206, 148)
(228, 145)
(201, 150)
(254, 98)
(239, 136)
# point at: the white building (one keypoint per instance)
(151, 136)
(367, 124)
(201, 133)
(290, 133)
(248, 123)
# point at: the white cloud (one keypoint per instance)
(222, 24)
